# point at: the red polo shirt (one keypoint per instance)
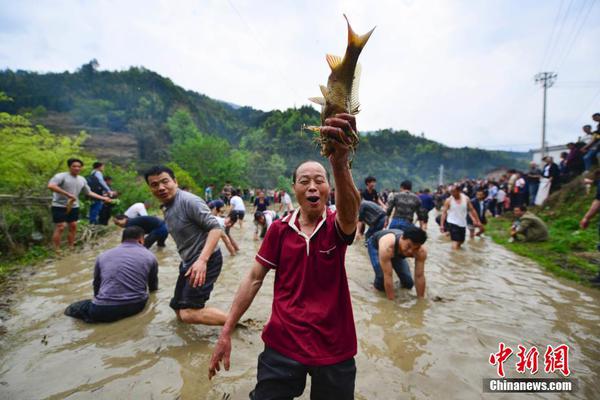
(311, 319)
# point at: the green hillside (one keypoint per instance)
(126, 115)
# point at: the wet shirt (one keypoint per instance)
(311, 319)
(532, 228)
(69, 183)
(370, 212)
(147, 223)
(406, 204)
(189, 221)
(123, 274)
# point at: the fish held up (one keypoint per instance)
(341, 93)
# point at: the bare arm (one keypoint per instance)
(347, 197)
(594, 208)
(228, 243)
(55, 188)
(386, 252)
(444, 213)
(242, 300)
(420, 272)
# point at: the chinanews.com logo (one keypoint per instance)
(555, 359)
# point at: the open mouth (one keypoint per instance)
(313, 200)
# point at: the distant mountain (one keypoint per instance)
(125, 113)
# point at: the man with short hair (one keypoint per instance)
(311, 329)
(454, 216)
(369, 193)
(196, 232)
(533, 181)
(481, 206)
(403, 207)
(122, 278)
(389, 249)
(66, 187)
(528, 227)
(99, 186)
(154, 228)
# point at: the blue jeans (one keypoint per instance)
(398, 264)
(159, 235)
(588, 158)
(533, 189)
(401, 223)
(95, 208)
(379, 225)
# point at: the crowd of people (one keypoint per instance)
(311, 329)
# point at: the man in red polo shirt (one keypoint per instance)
(311, 329)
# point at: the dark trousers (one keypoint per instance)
(90, 312)
(281, 378)
(377, 226)
(159, 235)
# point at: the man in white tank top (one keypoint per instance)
(454, 216)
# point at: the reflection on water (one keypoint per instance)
(408, 348)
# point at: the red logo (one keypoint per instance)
(555, 359)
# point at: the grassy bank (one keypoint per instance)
(570, 252)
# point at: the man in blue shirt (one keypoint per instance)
(122, 278)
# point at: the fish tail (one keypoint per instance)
(357, 41)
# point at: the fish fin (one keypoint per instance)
(357, 41)
(333, 61)
(324, 90)
(354, 103)
(317, 100)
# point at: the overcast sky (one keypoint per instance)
(459, 71)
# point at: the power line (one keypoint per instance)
(554, 24)
(559, 33)
(579, 26)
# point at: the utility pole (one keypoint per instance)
(547, 80)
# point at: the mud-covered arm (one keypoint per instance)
(347, 197)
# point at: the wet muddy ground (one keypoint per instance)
(437, 348)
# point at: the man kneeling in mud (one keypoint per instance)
(122, 276)
(311, 329)
(389, 249)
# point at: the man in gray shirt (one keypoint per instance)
(404, 205)
(196, 232)
(66, 187)
(122, 276)
(371, 214)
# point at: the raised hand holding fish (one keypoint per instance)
(340, 96)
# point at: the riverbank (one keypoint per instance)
(570, 252)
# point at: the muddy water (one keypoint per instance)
(407, 348)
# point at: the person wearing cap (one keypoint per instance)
(311, 328)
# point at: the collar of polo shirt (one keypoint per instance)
(292, 224)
